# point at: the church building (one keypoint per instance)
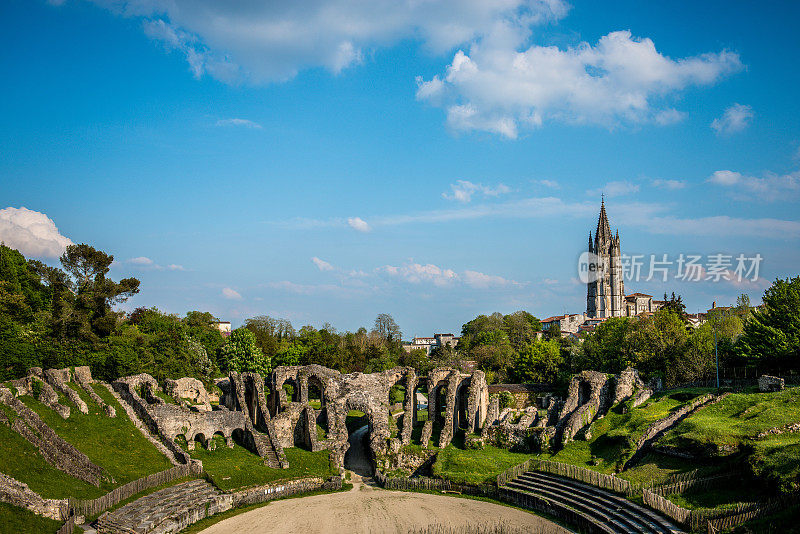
(605, 292)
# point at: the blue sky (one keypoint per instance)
(329, 161)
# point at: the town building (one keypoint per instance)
(430, 343)
(566, 323)
(224, 327)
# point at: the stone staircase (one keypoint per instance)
(603, 511)
(158, 511)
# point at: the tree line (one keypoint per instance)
(56, 317)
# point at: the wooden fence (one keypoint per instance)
(101, 504)
(433, 484)
(68, 527)
(588, 476)
(702, 518)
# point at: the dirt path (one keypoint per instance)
(366, 509)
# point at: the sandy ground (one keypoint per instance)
(366, 510)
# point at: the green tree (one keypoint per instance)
(95, 294)
(242, 354)
(539, 361)
(772, 335)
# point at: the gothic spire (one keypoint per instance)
(603, 228)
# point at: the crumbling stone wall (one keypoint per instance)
(47, 395)
(190, 389)
(54, 449)
(58, 378)
(295, 421)
(83, 377)
(169, 420)
(17, 493)
(589, 396)
(768, 383)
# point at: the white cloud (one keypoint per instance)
(549, 183)
(735, 119)
(463, 190)
(480, 280)
(669, 184)
(771, 187)
(231, 294)
(416, 273)
(239, 122)
(145, 263)
(33, 233)
(141, 260)
(357, 223)
(260, 41)
(322, 265)
(496, 87)
(615, 189)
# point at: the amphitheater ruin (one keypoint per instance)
(300, 406)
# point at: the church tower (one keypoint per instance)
(605, 295)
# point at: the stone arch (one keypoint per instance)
(201, 439)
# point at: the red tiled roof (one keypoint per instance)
(638, 295)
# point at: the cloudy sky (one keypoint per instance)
(329, 161)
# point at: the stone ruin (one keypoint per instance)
(589, 397)
(259, 413)
(27, 423)
(767, 383)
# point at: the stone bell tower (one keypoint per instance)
(605, 295)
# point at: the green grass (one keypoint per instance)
(163, 396)
(735, 420)
(474, 466)
(236, 468)
(721, 496)
(15, 520)
(613, 437)
(112, 443)
(315, 403)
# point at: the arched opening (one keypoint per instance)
(292, 389)
(397, 401)
(462, 403)
(316, 399)
(420, 412)
(584, 393)
(217, 441)
(201, 439)
(437, 405)
(358, 456)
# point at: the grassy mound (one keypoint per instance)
(15, 520)
(613, 438)
(736, 420)
(474, 466)
(236, 468)
(114, 444)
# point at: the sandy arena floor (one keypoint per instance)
(373, 510)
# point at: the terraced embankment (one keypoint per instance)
(584, 506)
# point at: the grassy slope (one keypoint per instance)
(735, 420)
(112, 443)
(14, 520)
(475, 466)
(731, 425)
(615, 435)
(238, 467)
